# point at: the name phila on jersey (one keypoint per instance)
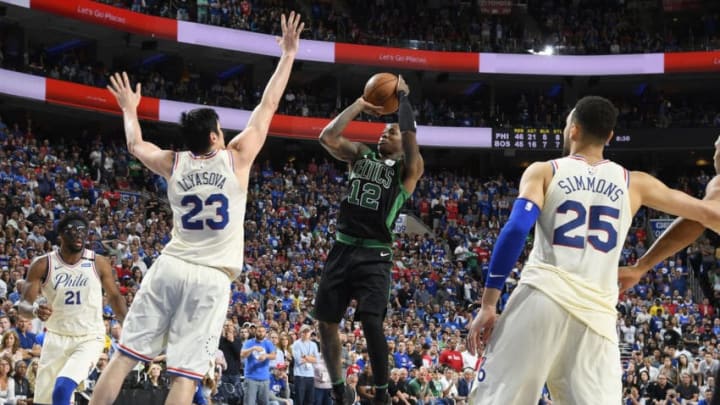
(74, 291)
(208, 207)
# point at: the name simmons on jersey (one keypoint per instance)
(191, 180)
(609, 189)
(376, 172)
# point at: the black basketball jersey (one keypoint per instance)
(375, 196)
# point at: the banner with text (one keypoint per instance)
(658, 226)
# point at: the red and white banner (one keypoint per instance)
(114, 17)
(152, 109)
(692, 62)
(392, 58)
(403, 58)
(94, 98)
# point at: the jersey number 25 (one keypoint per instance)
(595, 221)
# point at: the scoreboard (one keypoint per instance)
(527, 138)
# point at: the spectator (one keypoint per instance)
(22, 385)
(351, 390)
(451, 357)
(7, 383)
(687, 390)
(231, 347)
(11, 347)
(661, 389)
(257, 354)
(96, 371)
(304, 353)
(153, 380)
(280, 386)
(707, 398)
(323, 385)
(465, 385)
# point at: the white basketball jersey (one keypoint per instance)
(75, 294)
(578, 240)
(208, 206)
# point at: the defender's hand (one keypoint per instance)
(120, 87)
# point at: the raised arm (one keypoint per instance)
(331, 137)
(107, 278)
(31, 290)
(158, 160)
(414, 164)
(681, 233)
(649, 191)
(247, 144)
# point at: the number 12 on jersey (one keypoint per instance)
(595, 219)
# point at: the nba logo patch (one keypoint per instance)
(479, 369)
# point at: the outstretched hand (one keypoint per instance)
(481, 330)
(291, 29)
(120, 87)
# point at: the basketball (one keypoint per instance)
(380, 90)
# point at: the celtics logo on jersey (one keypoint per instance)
(368, 178)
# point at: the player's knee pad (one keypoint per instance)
(62, 393)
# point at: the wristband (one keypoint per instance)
(35, 309)
(406, 118)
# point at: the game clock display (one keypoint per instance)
(527, 138)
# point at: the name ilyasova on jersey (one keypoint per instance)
(201, 178)
(572, 184)
(376, 172)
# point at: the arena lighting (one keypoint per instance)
(548, 51)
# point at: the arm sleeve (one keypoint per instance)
(511, 241)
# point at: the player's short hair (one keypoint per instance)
(596, 117)
(65, 221)
(195, 128)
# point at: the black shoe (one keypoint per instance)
(338, 396)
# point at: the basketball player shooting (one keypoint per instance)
(358, 266)
(72, 280)
(183, 301)
(559, 324)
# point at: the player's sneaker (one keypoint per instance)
(338, 394)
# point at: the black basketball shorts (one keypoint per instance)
(361, 273)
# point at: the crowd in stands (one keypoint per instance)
(577, 27)
(667, 328)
